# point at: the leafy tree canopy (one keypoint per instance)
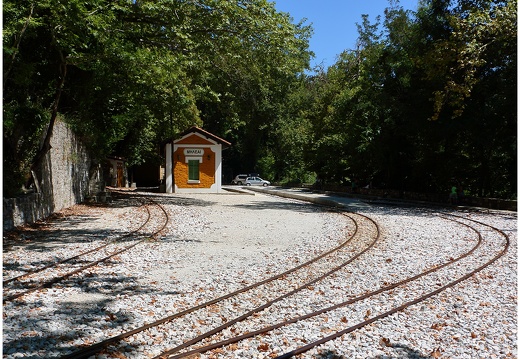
(427, 98)
(129, 74)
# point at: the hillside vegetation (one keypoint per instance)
(426, 98)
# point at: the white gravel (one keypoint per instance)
(215, 244)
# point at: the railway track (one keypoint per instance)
(268, 291)
(52, 273)
(230, 343)
(227, 326)
(428, 294)
(206, 342)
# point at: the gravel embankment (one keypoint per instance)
(215, 244)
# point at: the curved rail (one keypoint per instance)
(65, 260)
(174, 352)
(50, 282)
(88, 351)
(309, 346)
(273, 301)
(265, 330)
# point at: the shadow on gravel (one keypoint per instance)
(31, 331)
(166, 199)
(40, 235)
(401, 352)
(80, 315)
(49, 240)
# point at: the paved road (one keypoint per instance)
(351, 204)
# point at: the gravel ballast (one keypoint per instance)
(218, 243)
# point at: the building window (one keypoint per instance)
(193, 170)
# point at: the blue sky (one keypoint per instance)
(334, 22)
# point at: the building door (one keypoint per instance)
(119, 174)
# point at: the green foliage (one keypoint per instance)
(23, 126)
(425, 98)
(372, 111)
(132, 74)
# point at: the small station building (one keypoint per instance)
(194, 162)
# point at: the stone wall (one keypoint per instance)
(66, 177)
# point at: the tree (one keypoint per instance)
(127, 75)
(429, 101)
(484, 90)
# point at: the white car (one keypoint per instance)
(239, 179)
(256, 181)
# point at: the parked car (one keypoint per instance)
(240, 179)
(256, 181)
